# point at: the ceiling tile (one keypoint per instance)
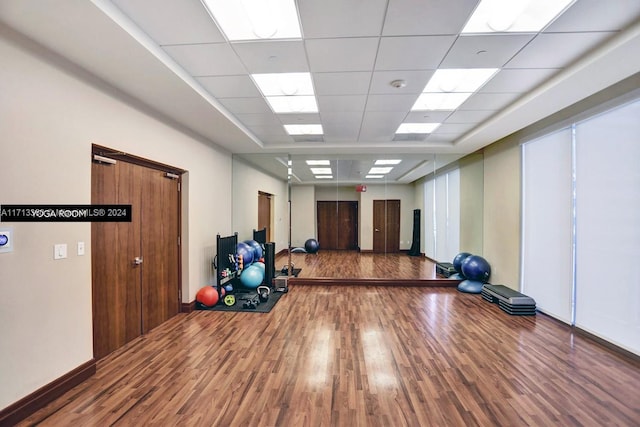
(380, 126)
(469, 116)
(339, 18)
(427, 116)
(230, 86)
(341, 103)
(412, 53)
(209, 59)
(488, 101)
(518, 80)
(355, 54)
(425, 17)
(258, 119)
(415, 81)
(350, 83)
(299, 119)
(484, 51)
(172, 21)
(273, 130)
(391, 102)
(596, 15)
(246, 105)
(272, 56)
(450, 128)
(556, 50)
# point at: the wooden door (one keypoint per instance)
(264, 213)
(386, 226)
(130, 298)
(116, 280)
(160, 244)
(337, 224)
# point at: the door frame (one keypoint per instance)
(171, 171)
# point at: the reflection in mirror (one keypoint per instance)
(334, 198)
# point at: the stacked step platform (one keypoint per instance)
(445, 269)
(513, 302)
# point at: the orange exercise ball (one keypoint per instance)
(207, 296)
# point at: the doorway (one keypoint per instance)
(135, 265)
(386, 226)
(338, 224)
(264, 213)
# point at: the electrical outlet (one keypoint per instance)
(80, 248)
(6, 239)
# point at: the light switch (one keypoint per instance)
(80, 248)
(60, 251)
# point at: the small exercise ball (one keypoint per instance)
(470, 286)
(311, 246)
(252, 277)
(207, 296)
(458, 259)
(247, 253)
(476, 268)
(257, 249)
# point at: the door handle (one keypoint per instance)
(377, 230)
(137, 260)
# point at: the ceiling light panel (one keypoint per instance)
(293, 104)
(318, 162)
(514, 15)
(374, 176)
(321, 171)
(324, 176)
(303, 129)
(459, 80)
(256, 19)
(379, 170)
(417, 128)
(284, 84)
(387, 162)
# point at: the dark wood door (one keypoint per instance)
(337, 224)
(131, 297)
(159, 242)
(386, 226)
(264, 213)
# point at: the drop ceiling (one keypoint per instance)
(169, 58)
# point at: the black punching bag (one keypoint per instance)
(415, 245)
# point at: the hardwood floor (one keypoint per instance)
(357, 355)
(353, 267)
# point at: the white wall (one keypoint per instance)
(247, 182)
(48, 121)
(303, 214)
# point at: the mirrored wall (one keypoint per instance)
(360, 202)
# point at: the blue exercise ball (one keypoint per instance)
(476, 268)
(247, 253)
(311, 246)
(470, 286)
(260, 265)
(252, 277)
(257, 249)
(458, 259)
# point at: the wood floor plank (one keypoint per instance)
(357, 355)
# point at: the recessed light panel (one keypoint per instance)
(514, 15)
(256, 19)
(387, 162)
(324, 176)
(303, 129)
(379, 170)
(284, 84)
(417, 128)
(459, 80)
(318, 162)
(321, 171)
(374, 176)
(293, 104)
